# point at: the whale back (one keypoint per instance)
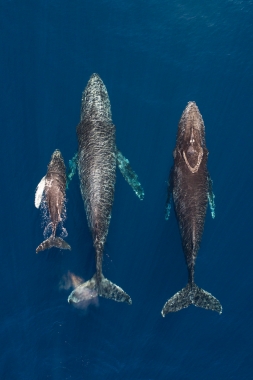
(55, 187)
(97, 158)
(190, 180)
(190, 199)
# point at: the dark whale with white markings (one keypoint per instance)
(50, 193)
(97, 159)
(190, 186)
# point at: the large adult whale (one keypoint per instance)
(191, 187)
(50, 194)
(97, 159)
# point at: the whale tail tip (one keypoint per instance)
(53, 242)
(103, 288)
(191, 295)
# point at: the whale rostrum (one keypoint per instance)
(190, 186)
(50, 195)
(97, 159)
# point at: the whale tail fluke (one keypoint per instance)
(53, 242)
(103, 288)
(191, 295)
(110, 290)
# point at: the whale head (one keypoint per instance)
(56, 162)
(95, 100)
(57, 154)
(191, 137)
(95, 80)
(191, 129)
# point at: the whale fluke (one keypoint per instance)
(191, 295)
(53, 242)
(103, 288)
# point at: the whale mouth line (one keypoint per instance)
(196, 167)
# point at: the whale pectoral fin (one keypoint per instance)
(39, 192)
(211, 196)
(129, 175)
(72, 169)
(169, 197)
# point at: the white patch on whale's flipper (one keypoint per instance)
(39, 192)
(129, 175)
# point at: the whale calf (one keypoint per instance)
(190, 186)
(50, 193)
(97, 159)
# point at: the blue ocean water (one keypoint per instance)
(154, 57)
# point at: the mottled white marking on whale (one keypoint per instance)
(97, 160)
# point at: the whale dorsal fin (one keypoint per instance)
(129, 175)
(39, 192)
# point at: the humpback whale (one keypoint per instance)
(50, 193)
(190, 186)
(97, 159)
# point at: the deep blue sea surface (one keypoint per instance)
(154, 57)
